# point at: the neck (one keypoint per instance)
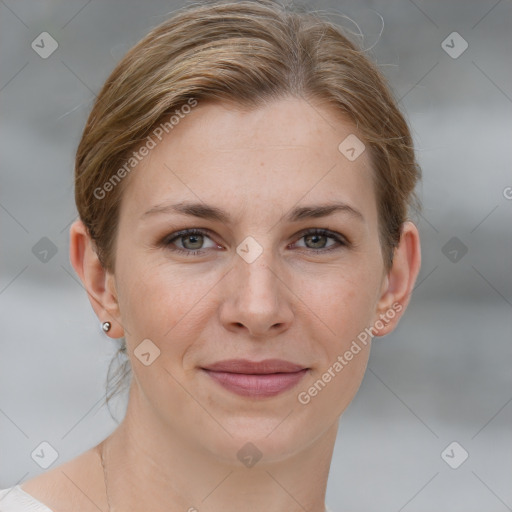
(149, 466)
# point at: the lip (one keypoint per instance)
(257, 379)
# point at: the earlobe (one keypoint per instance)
(98, 282)
(399, 282)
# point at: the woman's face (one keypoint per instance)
(254, 284)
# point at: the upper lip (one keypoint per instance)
(245, 366)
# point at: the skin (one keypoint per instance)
(178, 443)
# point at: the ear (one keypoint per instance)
(98, 282)
(398, 284)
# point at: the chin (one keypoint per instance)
(269, 440)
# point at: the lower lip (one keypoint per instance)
(257, 386)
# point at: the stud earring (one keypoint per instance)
(106, 326)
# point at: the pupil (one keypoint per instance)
(315, 237)
(194, 237)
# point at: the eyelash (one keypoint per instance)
(167, 241)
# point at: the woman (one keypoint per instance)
(242, 185)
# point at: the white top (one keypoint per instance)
(15, 499)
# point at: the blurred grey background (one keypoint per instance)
(444, 375)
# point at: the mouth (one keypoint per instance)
(257, 379)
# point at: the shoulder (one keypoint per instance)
(15, 499)
(76, 484)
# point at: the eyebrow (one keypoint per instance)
(205, 211)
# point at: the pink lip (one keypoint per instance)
(256, 378)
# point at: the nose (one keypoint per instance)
(257, 298)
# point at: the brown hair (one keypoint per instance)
(247, 53)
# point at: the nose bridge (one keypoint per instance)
(255, 272)
(257, 297)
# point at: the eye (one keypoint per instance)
(192, 241)
(316, 239)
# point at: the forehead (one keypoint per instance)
(281, 153)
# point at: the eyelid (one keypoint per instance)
(168, 239)
(340, 241)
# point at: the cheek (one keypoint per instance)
(330, 391)
(350, 302)
(348, 305)
(163, 304)
(345, 303)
